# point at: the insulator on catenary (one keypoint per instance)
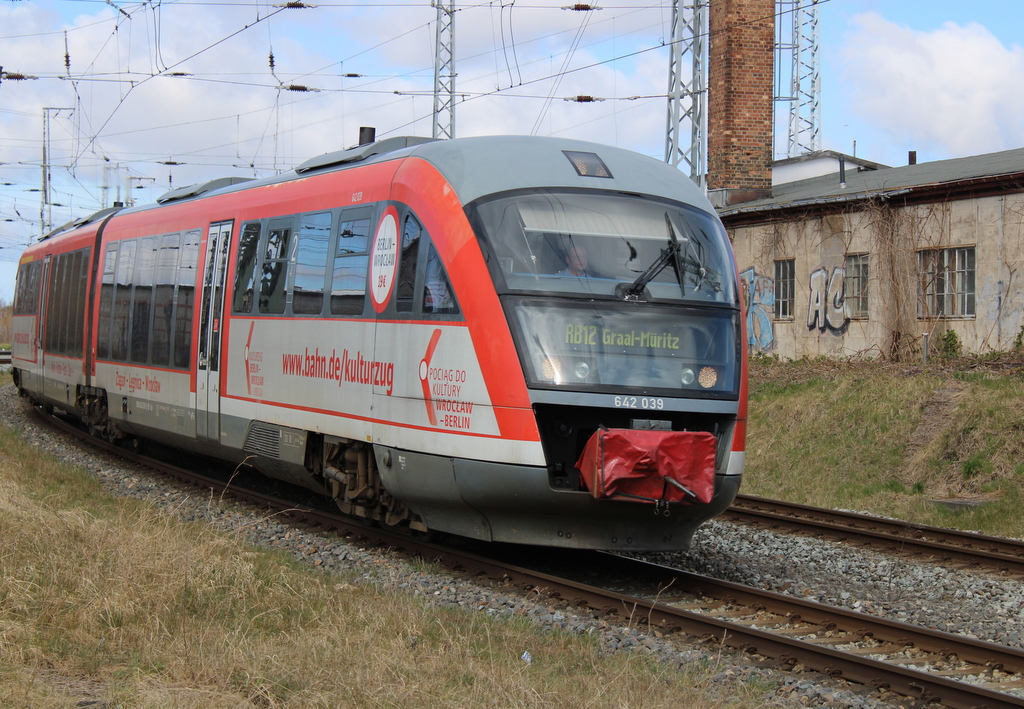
(584, 99)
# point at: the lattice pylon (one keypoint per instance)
(805, 81)
(687, 100)
(444, 71)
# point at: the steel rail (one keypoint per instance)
(978, 652)
(969, 548)
(836, 663)
(657, 614)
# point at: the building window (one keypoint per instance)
(946, 282)
(785, 272)
(856, 286)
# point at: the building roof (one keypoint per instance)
(828, 155)
(941, 176)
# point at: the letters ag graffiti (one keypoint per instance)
(826, 309)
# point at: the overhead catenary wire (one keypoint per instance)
(367, 85)
(176, 64)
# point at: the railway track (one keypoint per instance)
(964, 549)
(5, 357)
(924, 664)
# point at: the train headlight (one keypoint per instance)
(551, 370)
(582, 370)
(708, 377)
(688, 376)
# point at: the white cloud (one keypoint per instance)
(955, 88)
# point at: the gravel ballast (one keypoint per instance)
(976, 605)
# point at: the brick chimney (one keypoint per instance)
(741, 61)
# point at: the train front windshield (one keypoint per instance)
(639, 295)
(590, 243)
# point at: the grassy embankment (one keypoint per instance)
(892, 438)
(110, 600)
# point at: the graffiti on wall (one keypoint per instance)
(759, 302)
(826, 309)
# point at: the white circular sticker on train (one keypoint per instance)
(384, 259)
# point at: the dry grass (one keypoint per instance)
(889, 438)
(111, 600)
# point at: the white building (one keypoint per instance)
(865, 262)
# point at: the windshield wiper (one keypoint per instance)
(670, 254)
(697, 261)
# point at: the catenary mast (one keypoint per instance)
(444, 71)
(805, 78)
(687, 100)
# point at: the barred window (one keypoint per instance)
(946, 282)
(856, 285)
(785, 289)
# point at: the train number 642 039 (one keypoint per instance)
(639, 402)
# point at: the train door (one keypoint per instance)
(44, 299)
(210, 327)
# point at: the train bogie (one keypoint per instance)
(438, 335)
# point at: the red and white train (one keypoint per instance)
(515, 339)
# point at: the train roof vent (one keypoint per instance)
(200, 188)
(362, 152)
(75, 223)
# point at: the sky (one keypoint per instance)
(146, 97)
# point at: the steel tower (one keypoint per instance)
(688, 100)
(805, 75)
(444, 70)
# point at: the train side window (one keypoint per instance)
(411, 232)
(245, 271)
(142, 298)
(311, 264)
(348, 277)
(184, 306)
(163, 298)
(275, 266)
(106, 301)
(354, 232)
(26, 299)
(54, 305)
(123, 301)
(438, 296)
(66, 305)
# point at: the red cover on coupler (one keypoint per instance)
(652, 465)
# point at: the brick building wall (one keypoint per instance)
(741, 86)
